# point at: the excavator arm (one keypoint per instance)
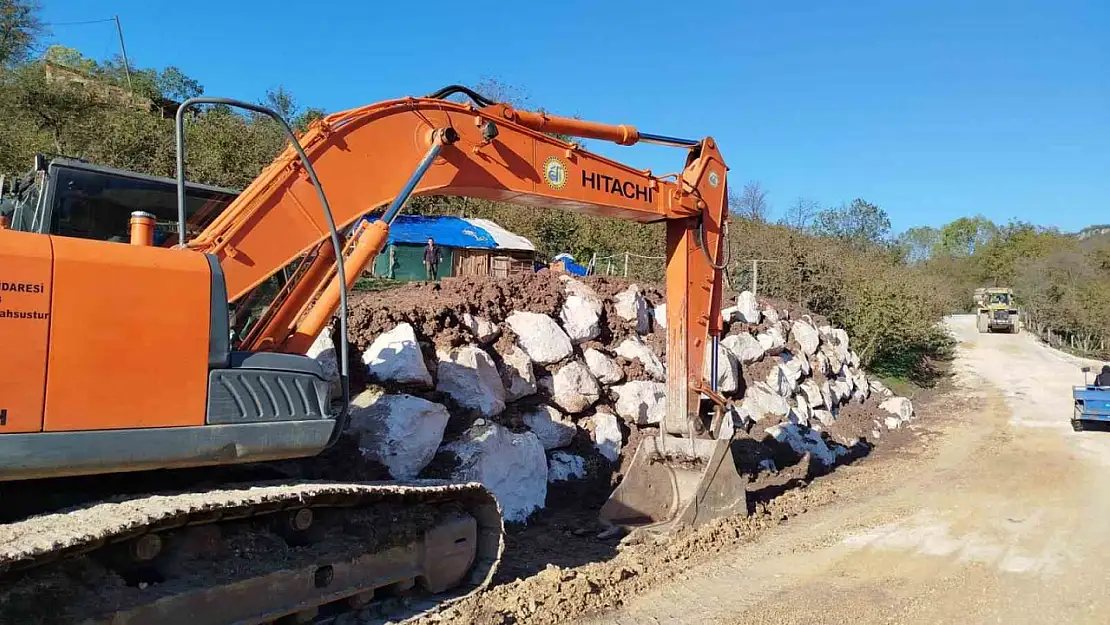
(379, 154)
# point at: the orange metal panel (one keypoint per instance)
(128, 336)
(25, 267)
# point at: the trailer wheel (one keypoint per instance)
(1077, 425)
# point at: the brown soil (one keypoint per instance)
(856, 421)
(435, 310)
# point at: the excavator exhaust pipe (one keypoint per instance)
(677, 482)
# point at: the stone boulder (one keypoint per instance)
(841, 344)
(395, 356)
(761, 400)
(802, 411)
(806, 337)
(540, 337)
(573, 388)
(771, 315)
(659, 314)
(323, 351)
(469, 377)
(642, 403)
(900, 407)
(485, 331)
(811, 390)
(880, 389)
(744, 346)
(772, 341)
(730, 314)
(842, 388)
(783, 380)
(825, 417)
(803, 440)
(632, 348)
(517, 375)
(748, 308)
(550, 426)
(581, 317)
(604, 368)
(605, 431)
(512, 466)
(861, 390)
(400, 431)
(563, 467)
(631, 306)
(728, 369)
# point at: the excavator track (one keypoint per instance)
(292, 552)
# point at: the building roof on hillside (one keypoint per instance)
(456, 232)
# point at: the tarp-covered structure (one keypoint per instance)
(467, 247)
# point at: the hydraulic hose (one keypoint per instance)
(344, 377)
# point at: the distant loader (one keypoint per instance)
(995, 311)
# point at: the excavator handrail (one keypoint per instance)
(179, 141)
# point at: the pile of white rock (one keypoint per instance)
(577, 387)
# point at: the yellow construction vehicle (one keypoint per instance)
(995, 310)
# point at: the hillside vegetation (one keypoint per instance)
(841, 262)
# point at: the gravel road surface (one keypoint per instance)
(994, 514)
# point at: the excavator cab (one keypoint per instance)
(72, 198)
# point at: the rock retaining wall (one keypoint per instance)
(522, 384)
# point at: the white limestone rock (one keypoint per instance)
(400, 431)
(633, 348)
(771, 315)
(581, 317)
(469, 377)
(772, 341)
(806, 336)
(659, 314)
(604, 368)
(748, 308)
(824, 416)
(550, 426)
(730, 314)
(761, 400)
(512, 466)
(540, 337)
(728, 370)
(563, 467)
(605, 430)
(485, 331)
(803, 440)
(323, 351)
(642, 403)
(811, 390)
(395, 356)
(574, 388)
(900, 407)
(745, 347)
(880, 389)
(782, 380)
(631, 306)
(517, 375)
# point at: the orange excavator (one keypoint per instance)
(132, 363)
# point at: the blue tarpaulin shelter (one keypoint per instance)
(467, 246)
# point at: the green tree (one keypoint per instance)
(860, 223)
(965, 236)
(918, 243)
(20, 29)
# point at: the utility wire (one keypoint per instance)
(81, 23)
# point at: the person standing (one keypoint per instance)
(431, 260)
(1103, 378)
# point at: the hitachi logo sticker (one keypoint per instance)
(21, 287)
(616, 186)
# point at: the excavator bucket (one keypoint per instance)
(675, 482)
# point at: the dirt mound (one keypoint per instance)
(435, 310)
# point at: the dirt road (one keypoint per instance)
(996, 515)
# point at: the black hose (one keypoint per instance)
(728, 247)
(451, 90)
(344, 377)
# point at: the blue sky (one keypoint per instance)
(930, 109)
